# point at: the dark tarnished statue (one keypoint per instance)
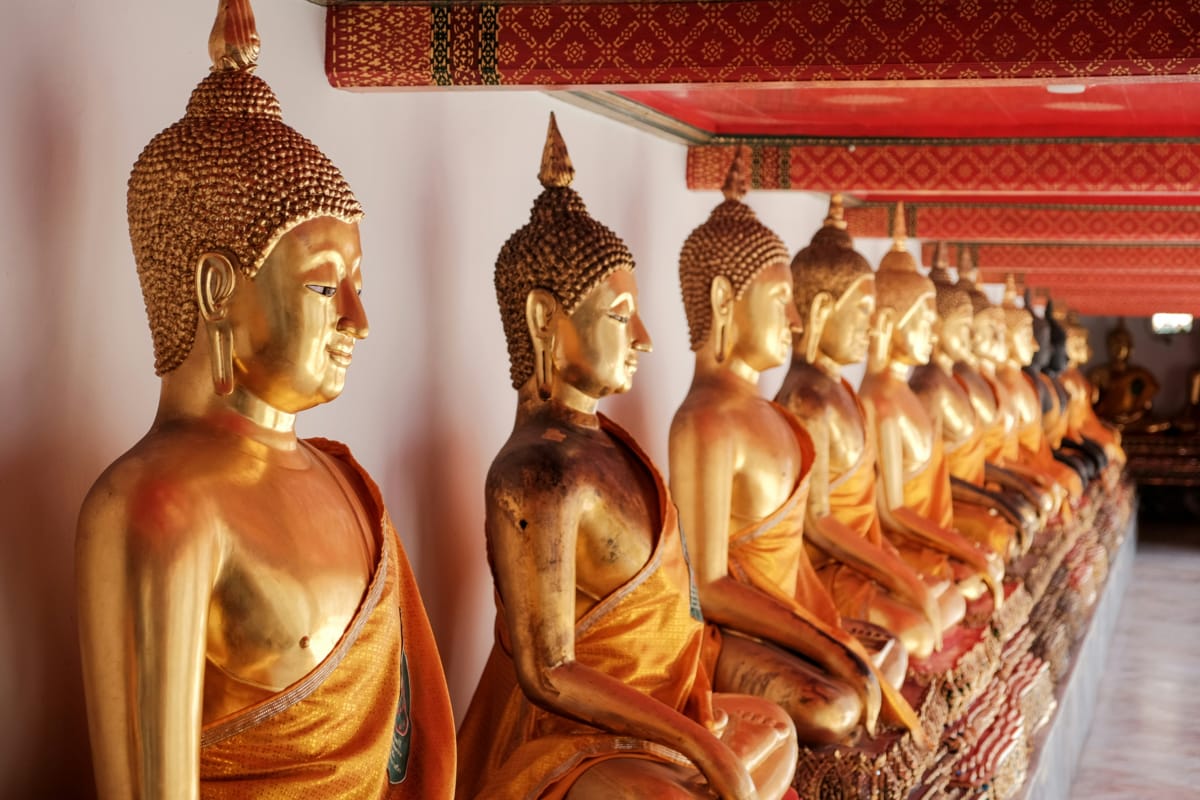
(248, 620)
(915, 495)
(1123, 393)
(861, 570)
(598, 683)
(739, 471)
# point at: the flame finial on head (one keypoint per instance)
(899, 230)
(737, 180)
(836, 218)
(557, 169)
(1010, 291)
(234, 43)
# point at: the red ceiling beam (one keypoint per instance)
(1083, 260)
(1033, 223)
(407, 44)
(1096, 169)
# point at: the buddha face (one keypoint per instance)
(596, 347)
(764, 317)
(912, 340)
(1021, 342)
(955, 336)
(990, 341)
(295, 324)
(847, 332)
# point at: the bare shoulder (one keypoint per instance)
(155, 501)
(807, 392)
(705, 412)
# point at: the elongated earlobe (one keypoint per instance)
(215, 281)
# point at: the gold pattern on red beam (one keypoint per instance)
(371, 44)
(1034, 223)
(1010, 169)
(1083, 259)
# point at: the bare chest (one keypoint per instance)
(618, 528)
(298, 555)
(768, 464)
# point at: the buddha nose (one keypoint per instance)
(353, 319)
(641, 336)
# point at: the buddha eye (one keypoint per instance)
(324, 291)
(621, 318)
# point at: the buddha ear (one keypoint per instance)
(720, 298)
(216, 278)
(819, 311)
(541, 311)
(883, 323)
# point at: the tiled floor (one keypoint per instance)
(1145, 736)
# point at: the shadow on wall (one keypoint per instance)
(43, 742)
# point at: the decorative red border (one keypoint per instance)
(1180, 261)
(1010, 169)
(765, 41)
(1034, 223)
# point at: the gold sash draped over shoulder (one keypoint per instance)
(772, 556)
(852, 502)
(927, 493)
(977, 522)
(372, 720)
(1035, 447)
(647, 634)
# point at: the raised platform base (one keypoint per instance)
(1058, 746)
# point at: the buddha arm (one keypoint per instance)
(702, 477)
(879, 564)
(1007, 478)
(532, 533)
(145, 568)
(897, 516)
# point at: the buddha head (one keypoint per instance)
(989, 335)
(908, 296)
(1079, 350)
(1119, 343)
(1022, 343)
(243, 228)
(737, 290)
(567, 295)
(953, 330)
(835, 292)
(1059, 357)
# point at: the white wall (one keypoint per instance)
(445, 178)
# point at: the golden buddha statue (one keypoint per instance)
(992, 403)
(249, 623)
(1123, 393)
(949, 406)
(1083, 422)
(861, 571)
(740, 475)
(1023, 398)
(914, 496)
(597, 686)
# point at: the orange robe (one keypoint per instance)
(772, 556)
(372, 720)
(1035, 449)
(854, 503)
(976, 522)
(927, 493)
(648, 634)
(1082, 422)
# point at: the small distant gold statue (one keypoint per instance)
(1123, 393)
(598, 683)
(249, 623)
(739, 472)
